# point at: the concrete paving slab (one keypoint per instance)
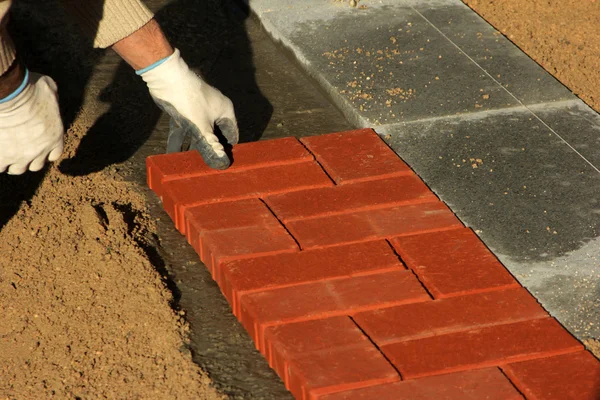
(418, 61)
(526, 193)
(399, 69)
(493, 52)
(576, 123)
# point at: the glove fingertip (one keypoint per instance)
(229, 129)
(17, 169)
(56, 153)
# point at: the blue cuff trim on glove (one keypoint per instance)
(19, 89)
(152, 66)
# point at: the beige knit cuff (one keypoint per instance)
(7, 48)
(109, 21)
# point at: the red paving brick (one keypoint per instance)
(478, 348)
(470, 268)
(320, 356)
(316, 374)
(488, 384)
(164, 167)
(234, 230)
(574, 376)
(352, 197)
(327, 298)
(230, 214)
(184, 193)
(226, 215)
(433, 318)
(264, 273)
(289, 340)
(238, 243)
(355, 155)
(372, 224)
(307, 267)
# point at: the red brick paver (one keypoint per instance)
(373, 224)
(181, 194)
(265, 273)
(401, 190)
(453, 263)
(481, 347)
(574, 376)
(235, 230)
(323, 356)
(456, 314)
(356, 282)
(327, 298)
(488, 384)
(168, 167)
(355, 156)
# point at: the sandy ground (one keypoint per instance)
(561, 35)
(593, 346)
(83, 312)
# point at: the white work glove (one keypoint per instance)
(31, 130)
(195, 107)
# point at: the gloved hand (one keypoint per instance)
(195, 107)
(31, 130)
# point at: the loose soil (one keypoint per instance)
(593, 346)
(561, 35)
(83, 312)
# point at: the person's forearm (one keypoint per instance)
(144, 47)
(11, 79)
(11, 71)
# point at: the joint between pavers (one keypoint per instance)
(517, 359)
(259, 328)
(376, 346)
(239, 293)
(476, 115)
(496, 363)
(281, 222)
(355, 386)
(513, 381)
(513, 285)
(441, 331)
(402, 203)
(317, 162)
(410, 269)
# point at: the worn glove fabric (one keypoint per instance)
(31, 130)
(194, 106)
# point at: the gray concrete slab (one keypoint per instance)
(419, 60)
(576, 123)
(530, 198)
(493, 52)
(399, 69)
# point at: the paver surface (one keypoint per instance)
(413, 304)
